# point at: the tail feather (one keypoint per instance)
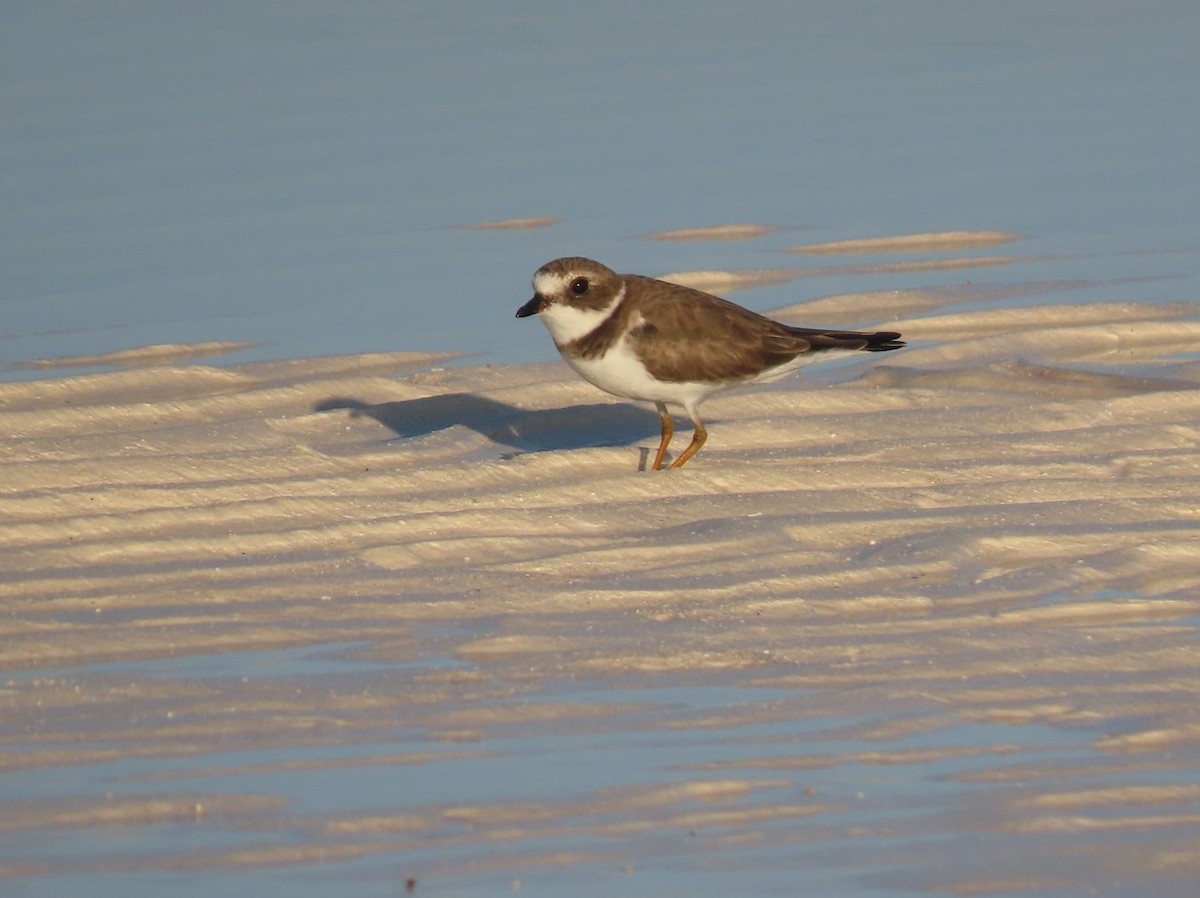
(882, 341)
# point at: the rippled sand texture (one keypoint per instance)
(927, 620)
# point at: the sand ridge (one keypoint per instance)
(939, 241)
(997, 528)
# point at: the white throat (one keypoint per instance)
(568, 323)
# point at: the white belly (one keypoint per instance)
(621, 373)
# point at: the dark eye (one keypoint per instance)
(579, 286)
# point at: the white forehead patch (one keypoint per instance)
(548, 284)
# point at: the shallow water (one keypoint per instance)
(700, 784)
(299, 179)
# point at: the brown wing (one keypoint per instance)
(699, 337)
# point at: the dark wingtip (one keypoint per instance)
(821, 339)
(884, 341)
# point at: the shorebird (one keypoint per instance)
(641, 338)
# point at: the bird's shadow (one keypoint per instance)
(522, 430)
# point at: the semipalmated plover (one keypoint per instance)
(641, 338)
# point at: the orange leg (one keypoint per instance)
(668, 431)
(698, 439)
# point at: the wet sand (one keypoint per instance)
(924, 621)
